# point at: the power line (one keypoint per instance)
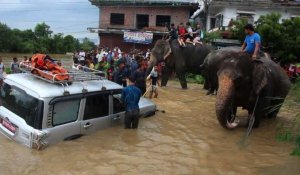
(22, 3)
(34, 10)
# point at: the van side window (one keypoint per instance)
(118, 105)
(65, 112)
(96, 106)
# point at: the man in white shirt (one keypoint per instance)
(82, 57)
(189, 36)
(99, 56)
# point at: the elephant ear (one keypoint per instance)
(259, 76)
(159, 50)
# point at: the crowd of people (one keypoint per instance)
(119, 66)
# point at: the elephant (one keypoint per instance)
(182, 60)
(259, 86)
(212, 64)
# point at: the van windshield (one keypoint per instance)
(21, 104)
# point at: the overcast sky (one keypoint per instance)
(63, 16)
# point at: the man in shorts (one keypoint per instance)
(153, 77)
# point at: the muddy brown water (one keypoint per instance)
(186, 139)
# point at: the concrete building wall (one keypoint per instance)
(177, 15)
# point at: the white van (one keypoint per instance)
(37, 113)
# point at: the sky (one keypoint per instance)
(63, 16)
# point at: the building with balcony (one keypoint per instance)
(218, 13)
(119, 17)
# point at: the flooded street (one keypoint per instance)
(186, 139)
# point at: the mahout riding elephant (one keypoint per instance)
(259, 86)
(212, 64)
(180, 60)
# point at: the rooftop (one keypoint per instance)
(42, 89)
(187, 3)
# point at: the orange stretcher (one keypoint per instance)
(47, 68)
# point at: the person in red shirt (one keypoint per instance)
(182, 34)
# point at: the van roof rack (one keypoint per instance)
(77, 73)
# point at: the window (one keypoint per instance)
(248, 17)
(65, 112)
(219, 21)
(117, 19)
(23, 105)
(161, 20)
(118, 105)
(142, 21)
(212, 23)
(96, 106)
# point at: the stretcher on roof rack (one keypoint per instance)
(77, 73)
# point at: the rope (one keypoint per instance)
(252, 119)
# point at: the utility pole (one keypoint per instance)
(206, 8)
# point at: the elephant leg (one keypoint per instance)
(258, 113)
(182, 79)
(206, 84)
(165, 76)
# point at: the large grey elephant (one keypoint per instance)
(180, 60)
(259, 86)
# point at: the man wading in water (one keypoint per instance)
(131, 97)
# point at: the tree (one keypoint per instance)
(87, 44)
(70, 43)
(42, 30)
(40, 40)
(56, 44)
(5, 42)
(238, 31)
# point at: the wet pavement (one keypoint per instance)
(186, 139)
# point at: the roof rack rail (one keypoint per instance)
(77, 73)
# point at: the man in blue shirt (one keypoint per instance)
(252, 41)
(131, 97)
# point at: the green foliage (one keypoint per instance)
(7, 70)
(291, 132)
(40, 40)
(285, 136)
(42, 30)
(238, 31)
(295, 91)
(211, 36)
(193, 78)
(87, 44)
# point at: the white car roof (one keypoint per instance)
(43, 89)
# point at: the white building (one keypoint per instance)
(220, 12)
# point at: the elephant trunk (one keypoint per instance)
(152, 63)
(224, 102)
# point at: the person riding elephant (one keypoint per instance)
(179, 60)
(259, 86)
